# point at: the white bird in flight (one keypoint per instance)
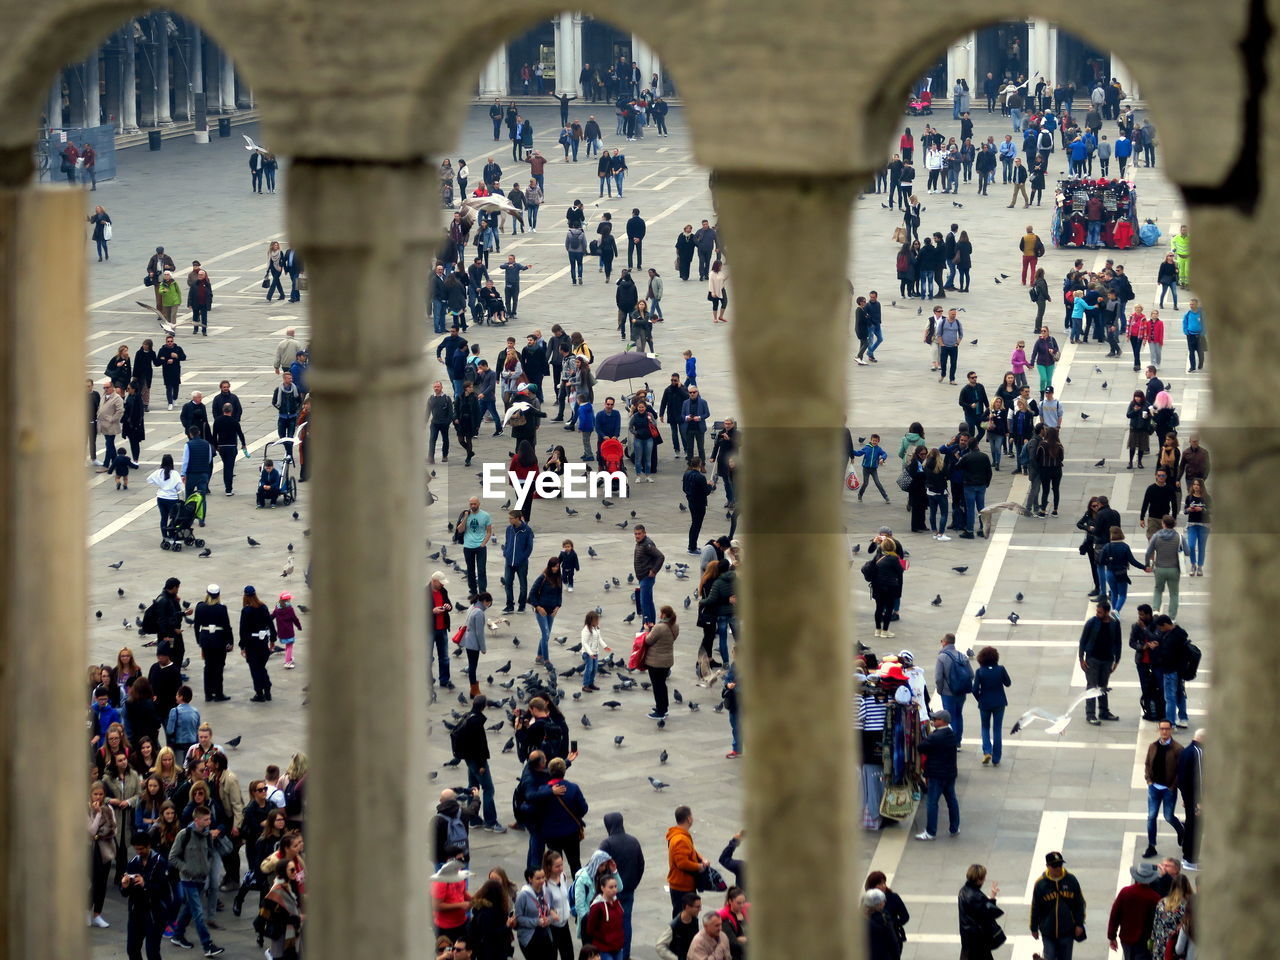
(251, 146)
(1056, 723)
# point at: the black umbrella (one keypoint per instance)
(624, 366)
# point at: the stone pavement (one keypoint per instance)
(1077, 793)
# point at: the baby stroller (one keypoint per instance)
(181, 527)
(917, 107)
(288, 484)
(612, 455)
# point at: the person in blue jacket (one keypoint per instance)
(989, 681)
(516, 550)
(1079, 151)
(1193, 330)
(561, 815)
(1123, 151)
(268, 484)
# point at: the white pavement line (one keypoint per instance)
(142, 509)
(103, 333)
(1029, 644)
(1039, 549)
(650, 176)
(295, 327)
(1050, 837)
(1138, 779)
(222, 283)
(889, 850)
(986, 580)
(664, 184)
(222, 256)
(1064, 744)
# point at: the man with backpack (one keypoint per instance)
(470, 745)
(163, 619)
(449, 826)
(953, 681)
(146, 884)
(192, 855)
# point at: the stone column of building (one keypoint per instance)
(42, 519)
(642, 56)
(562, 51)
(53, 111)
(227, 75)
(496, 74)
(77, 94)
(1121, 73)
(1037, 51)
(366, 232)
(113, 89)
(244, 93)
(1052, 74)
(572, 84)
(180, 73)
(128, 94)
(960, 64)
(798, 691)
(93, 90)
(161, 35)
(148, 84)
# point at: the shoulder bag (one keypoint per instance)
(582, 829)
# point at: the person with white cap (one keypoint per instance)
(449, 898)
(212, 625)
(439, 604)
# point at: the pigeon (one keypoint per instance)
(119, 591)
(586, 721)
(598, 517)
(577, 647)
(505, 668)
(253, 542)
(591, 552)
(186, 604)
(607, 503)
(608, 585)
(662, 724)
(936, 601)
(98, 614)
(507, 505)
(676, 696)
(137, 621)
(693, 706)
(857, 548)
(616, 581)
(954, 204)
(1014, 618)
(127, 625)
(919, 311)
(462, 699)
(611, 704)
(683, 508)
(1083, 415)
(509, 745)
(515, 641)
(631, 578)
(562, 640)
(495, 727)
(295, 513)
(1018, 597)
(629, 617)
(235, 741)
(1004, 276)
(718, 708)
(569, 673)
(1097, 369)
(662, 757)
(884, 206)
(1068, 379)
(570, 511)
(623, 525)
(633, 514)
(577, 694)
(490, 680)
(973, 343)
(969, 653)
(434, 556)
(617, 741)
(288, 569)
(687, 601)
(1056, 723)
(1101, 463)
(1104, 384)
(117, 565)
(960, 570)
(289, 547)
(996, 279)
(206, 553)
(982, 612)
(303, 608)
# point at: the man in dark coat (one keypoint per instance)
(195, 414)
(939, 750)
(705, 241)
(1191, 786)
(629, 857)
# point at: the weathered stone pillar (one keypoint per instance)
(42, 576)
(129, 92)
(796, 659)
(160, 33)
(227, 74)
(53, 112)
(497, 74)
(93, 90)
(367, 233)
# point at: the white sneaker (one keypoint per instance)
(943, 538)
(859, 362)
(570, 589)
(99, 923)
(290, 665)
(887, 635)
(1188, 865)
(171, 406)
(926, 835)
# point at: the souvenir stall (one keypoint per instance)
(889, 726)
(1079, 200)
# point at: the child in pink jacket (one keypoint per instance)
(1018, 360)
(287, 623)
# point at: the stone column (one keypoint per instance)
(93, 90)
(129, 84)
(1121, 73)
(571, 83)
(1052, 75)
(366, 232)
(111, 73)
(1037, 51)
(53, 111)
(244, 93)
(42, 519)
(77, 86)
(180, 71)
(642, 56)
(792, 520)
(496, 74)
(227, 74)
(562, 43)
(160, 26)
(196, 65)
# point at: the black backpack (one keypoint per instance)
(457, 739)
(1190, 662)
(458, 526)
(151, 617)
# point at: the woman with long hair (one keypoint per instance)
(169, 493)
(150, 800)
(886, 585)
(488, 931)
(937, 487)
(524, 466)
(120, 368)
(114, 742)
(296, 774)
(997, 430)
(102, 849)
(641, 427)
(127, 669)
(1196, 507)
(165, 830)
(659, 658)
(1008, 392)
(1050, 456)
(904, 265)
(145, 756)
(1140, 426)
(716, 292)
(545, 597)
(168, 771)
(964, 260)
(275, 267)
(1169, 914)
(1169, 457)
(706, 616)
(144, 368)
(734, 916)
(285, 899)
(895, 911)
(101, 224)
(259, 852)
(466, 419)
(141, 718)
(559, 893)
(1021, 427)
(918, 492)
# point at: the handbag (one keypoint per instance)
(582, 829)
(223, 846)
(266, 281)
(997, 937)
(303, 284)
(709, 879)
(106, 230)
(904, 479)
(457, 634)
(899, 234)
(148, 280)
(654, 432)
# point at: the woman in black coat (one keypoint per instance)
(917, 493)
(455, 286)
(466, 419)
(132, 424)
(257, 642)
(886, 586)
(979, 932)
(685, 247)
(964, 260)
(144, 368)
(905, 266)
(119, 369)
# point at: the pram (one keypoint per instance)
(288, 485)
(613, 455)
(181, 527)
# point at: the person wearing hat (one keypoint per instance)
(1050, 409)
(257, 642)
(1129, 926)
(939, 749)
(1057, 909)
(156, 266)
(449, 898)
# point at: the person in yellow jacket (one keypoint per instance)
(170, 297)
(1182, 251)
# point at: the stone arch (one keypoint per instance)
(441, 86)
(61, 35)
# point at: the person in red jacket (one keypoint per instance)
(684, 863)
(604, 922)
(1133, 910)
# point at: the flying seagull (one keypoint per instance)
(1056, 723)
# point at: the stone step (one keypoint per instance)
(181, 129)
